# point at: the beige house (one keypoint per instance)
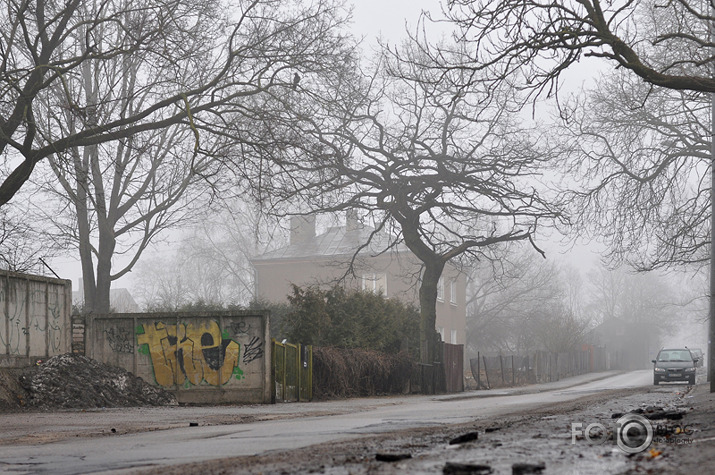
(326, 259)
(120, 300)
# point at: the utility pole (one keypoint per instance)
(711, 320)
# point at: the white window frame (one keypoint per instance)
(374, 282)
(440, 290)
(453, 292)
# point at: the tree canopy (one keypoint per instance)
(666, 44)
(446, 170)
(192, 62)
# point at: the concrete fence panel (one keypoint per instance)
(209, 358)
(35, 318)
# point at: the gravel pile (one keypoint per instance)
(77, 382)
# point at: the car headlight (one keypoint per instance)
(689, 370)
(660, 370)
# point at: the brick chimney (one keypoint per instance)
(302, 229)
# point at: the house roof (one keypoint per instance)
(336, 241)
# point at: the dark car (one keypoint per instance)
(674, 364)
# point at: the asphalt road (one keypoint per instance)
(119, 440)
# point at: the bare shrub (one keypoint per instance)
(354, 372)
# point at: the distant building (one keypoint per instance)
(120, 300)
(324, 259)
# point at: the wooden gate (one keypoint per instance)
(453, 367)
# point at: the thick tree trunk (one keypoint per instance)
(96, 292)
(89, 285)
(428, 312)
(107, 243)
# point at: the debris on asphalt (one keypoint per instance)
(453, 468)
(464, 438)
(670, 415)
(391, 457)
(526, 468)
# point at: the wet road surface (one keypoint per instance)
(151, 437)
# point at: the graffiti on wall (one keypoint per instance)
(253, 350)
(119, 339)
(190, 353)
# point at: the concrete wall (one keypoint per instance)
(208, 358)
(35, 318)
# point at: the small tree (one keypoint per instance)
(351, 319)
(211, 261)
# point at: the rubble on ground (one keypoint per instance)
(78, 382)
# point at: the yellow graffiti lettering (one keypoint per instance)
(193, 352)
(163, 355)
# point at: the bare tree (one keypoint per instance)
(646, 299)
(212, 263)
(666, 45)
(641, 158)
(194, 58)
(446, 171)
(640, 154)
(140, 123)
(514, 302)
(607, 290)
(22, 247)
(562, 331)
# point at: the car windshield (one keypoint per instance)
(675, 355)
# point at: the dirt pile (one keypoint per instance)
(77, 382)
(12, 395)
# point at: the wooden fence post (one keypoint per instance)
(479, 372)
(486, 372)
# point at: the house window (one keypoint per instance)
(440, 330)
(374, 282)
(440, 290)
(453, 292)
(453, 339)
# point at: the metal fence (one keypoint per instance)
(538, 367)
(292, 369)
